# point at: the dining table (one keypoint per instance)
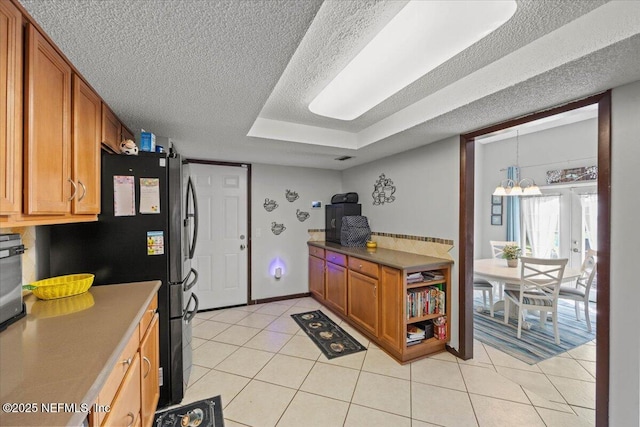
(497, 270)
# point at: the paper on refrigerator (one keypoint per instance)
(124, 196)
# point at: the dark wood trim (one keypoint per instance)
(604, 260)
(465, 254)
(283, 298)
(465, 263)
(594, 99)
(249, 238)
(249, 228)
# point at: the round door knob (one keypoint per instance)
(242, 247)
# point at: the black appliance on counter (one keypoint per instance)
(146, 230)
(12, 308)
(333, 219)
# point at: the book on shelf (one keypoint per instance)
(414, 341)
(424, 276)
(414, 332)
(432, 275)
(426, 300)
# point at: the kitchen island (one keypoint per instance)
(389, 296)
(56, 362)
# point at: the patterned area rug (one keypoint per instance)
(332, 340)
(203, 413)
(536, 344)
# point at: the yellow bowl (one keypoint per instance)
(371, 244)
(61, 286)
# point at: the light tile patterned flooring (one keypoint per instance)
(270, 373)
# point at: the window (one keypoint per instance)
(541, 219)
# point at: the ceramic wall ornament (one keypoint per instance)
(269, 205)
(277, 228)
(302, 216)
(383, 190)
(291, 196)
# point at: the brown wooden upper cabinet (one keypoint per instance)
(10, 109)
(87, 132)
(126, 134)
(111, 129)
(47, 133)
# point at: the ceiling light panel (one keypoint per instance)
(422, 36)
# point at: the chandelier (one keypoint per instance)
(523, 187)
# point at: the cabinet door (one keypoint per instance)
(391, 300)
(110, 129)
(10, 109)
(363, 301)
(336, 287)
(87, 130)
(127, 134)
(47, 164)
(316, 277)
(125, 408)
(150, 385)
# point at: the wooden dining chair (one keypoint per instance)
(540, 280)
(580, 293)
(486, 288)
(497, 248)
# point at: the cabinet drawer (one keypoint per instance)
(122, 365)
(337, 258)
(148, 316)
(316, 251)
(365, 267)
(125, 409)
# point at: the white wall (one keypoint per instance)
(572, 145)
(290, 247)
(427, 203)
(624, 393)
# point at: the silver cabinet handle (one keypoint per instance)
(84, 190)
(127, 362)
(133, 419)
(146, 359)
(75, 189)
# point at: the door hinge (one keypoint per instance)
(160, 377)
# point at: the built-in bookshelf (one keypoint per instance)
(425, 307)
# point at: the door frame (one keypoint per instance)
(466, 236)
(249, 245)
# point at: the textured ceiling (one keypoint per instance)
(203, 72)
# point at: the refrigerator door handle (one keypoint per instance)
(191, 193)
(190, 314)
(192, 283)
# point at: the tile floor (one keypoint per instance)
(270, 373)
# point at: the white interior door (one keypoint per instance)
(221, 254)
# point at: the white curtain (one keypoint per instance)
(541, 218)
(590, 218)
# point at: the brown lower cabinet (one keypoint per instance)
(316, 276)
(132, 390)
(149, 377)
(336, 288)
(363, 301)
(374, 298)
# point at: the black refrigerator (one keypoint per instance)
(147, 230)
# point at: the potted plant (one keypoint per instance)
(511, 253)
